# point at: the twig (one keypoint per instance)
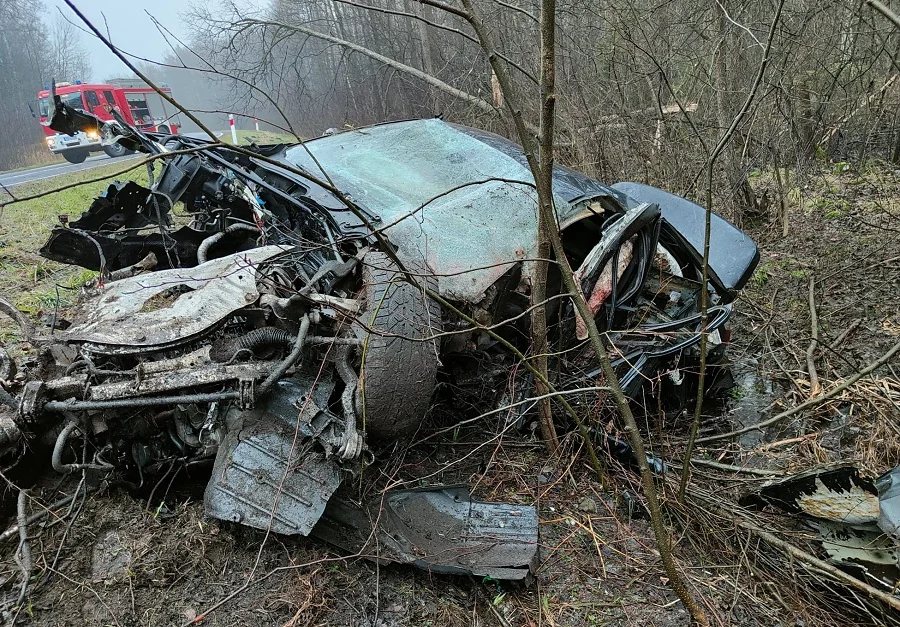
(740, 469)
(482, 104)
(94, 592)
(105, 40)
(72, 514)
(104, 177)
(24, 548)
(814, 340)
(736, 515)
(836, 573)
(844, 334)
(512, 7)
(413, 16)
(811, 402)
(9, 533)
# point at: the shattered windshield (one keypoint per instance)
(447, 198)
(394, 168)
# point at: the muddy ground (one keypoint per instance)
(118, 557)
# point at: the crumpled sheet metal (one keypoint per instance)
(853, 520)
(862, 550)
(440, 529)
(136, 314)
(888, 486)
(860, 544)
(466, 236)
(268, 473)
(833, 492)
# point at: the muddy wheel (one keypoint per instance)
(75, 156)
(399, 364)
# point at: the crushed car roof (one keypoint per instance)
(424, 178)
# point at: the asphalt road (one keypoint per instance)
(10, 179)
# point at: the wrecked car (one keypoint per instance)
(282, 312)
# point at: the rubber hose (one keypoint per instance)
(56, 458)
(290, 359)
(210, 241)
(351, 381)
(264, 337)
(257, 338)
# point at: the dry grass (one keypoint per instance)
(128, 561)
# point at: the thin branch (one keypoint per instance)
(513, 7)
(704, 292)
(875, 4)
(735, 515)
(163, 155)
(814, 340)
(137, 72)
(24, 553)
(751, 95)
(448, 8)
(455, 31)
(397, 65)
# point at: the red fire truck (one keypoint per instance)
(136, 101)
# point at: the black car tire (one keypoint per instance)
(400, 363)
(75, 156)
(115, 150)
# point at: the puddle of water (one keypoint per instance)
(750, 399)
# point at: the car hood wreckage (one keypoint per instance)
(273, 334)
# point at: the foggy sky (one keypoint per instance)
(130, 28)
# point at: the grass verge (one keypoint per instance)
(27, 279)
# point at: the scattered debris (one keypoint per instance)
(856, 518)
(288, 330)
(888, 486)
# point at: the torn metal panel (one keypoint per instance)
(888, 486)
(834, 492)
(844, 509)
(440, 529)
(169, 307)
(252, 486)
(861, 548)
(270, 472)
(863, 544)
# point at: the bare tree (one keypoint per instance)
(70, 60)
(24, 69)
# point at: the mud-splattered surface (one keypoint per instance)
(124, 562)
(129, 559)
